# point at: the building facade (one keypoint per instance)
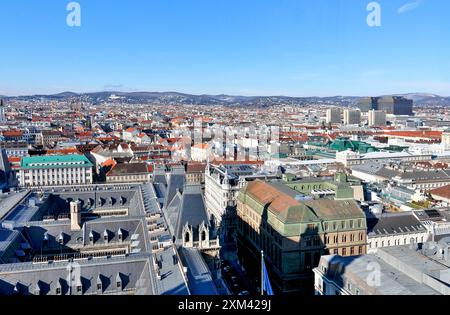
(393, 230)
(377, 118)
(129, 173)
(294, 234)
(333, 116)
(399, 270)
(393, 105)
(41, 171)
(2, 111)
(352, 117)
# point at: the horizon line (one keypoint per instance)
(220, 94)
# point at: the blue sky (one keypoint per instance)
(247, 47)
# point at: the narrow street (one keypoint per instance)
(229, 253)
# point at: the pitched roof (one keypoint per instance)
(128, 169)
(55, 161)
(443, 192)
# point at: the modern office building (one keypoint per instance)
(393, 105)
(396, 105)
(377, 118)
(58, 170)
(352, 117)
(367, 104)
(294, 232)
(446, 139)
(333, 116)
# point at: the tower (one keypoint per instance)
(5, 167)
(2, 111)
(75, 215)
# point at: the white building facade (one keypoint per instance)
(42, 171)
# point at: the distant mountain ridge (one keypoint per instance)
(222, 99)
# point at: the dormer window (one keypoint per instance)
(61, 239)
(120, 235)
(46, 237)
(16, 290)
(118, 282)
(91, 238)
(106, 236)
(58, 291)
(37, 290)
(79, 289)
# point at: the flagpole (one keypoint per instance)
(262, 273)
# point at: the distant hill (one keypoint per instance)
(224, 100)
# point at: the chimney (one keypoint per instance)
(75, 215)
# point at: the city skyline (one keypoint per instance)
(290, 48)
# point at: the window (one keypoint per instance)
(58, 291)
(344, 252)
(343, 225)
(99, 286)
(352, 251)
(79, 288)
(119, 284)
(325, 226)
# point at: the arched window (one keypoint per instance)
(187, 237)
(203, 236)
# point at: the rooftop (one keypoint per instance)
(55, 161)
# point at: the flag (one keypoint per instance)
(266, 286)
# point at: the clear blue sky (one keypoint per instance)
(247, 47)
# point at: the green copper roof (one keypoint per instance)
(55, 161)
(343, 144)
